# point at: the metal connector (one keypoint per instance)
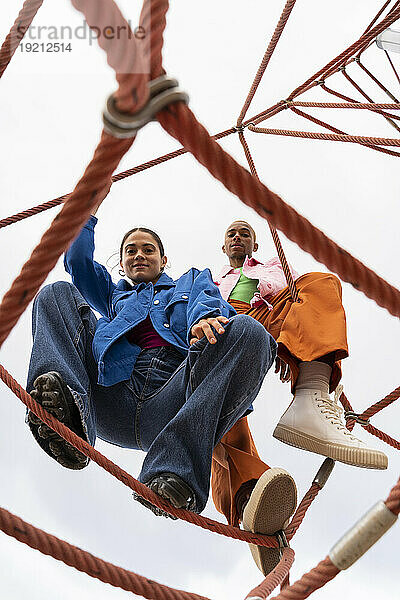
(242, 127)
(162, 91)
(364, 534)
(350, 414)
(324, 472)
(282, 540)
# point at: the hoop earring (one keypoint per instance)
(121, 272)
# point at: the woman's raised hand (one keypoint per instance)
(204, 328)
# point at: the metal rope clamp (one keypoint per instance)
(282, 540)
(163, 91)
(350, 414)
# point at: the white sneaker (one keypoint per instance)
(271, 504)
(314, 422)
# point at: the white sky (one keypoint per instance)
(50, 122)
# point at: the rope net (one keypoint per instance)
(178, 120)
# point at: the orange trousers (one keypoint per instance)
(305, 331)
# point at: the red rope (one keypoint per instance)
(126, 478)
(393, 500)
(180, 122)
(384, 88)
(119, 177)
(313, 580)
(369, 412)
(392, 65)
(261, 70)
(374, 20)
(275, 578)
(267, 57)
(339, 60)
(17, 32)
(281, 254)
(302, 508)
(386, 401)
(93, 185)
(335, 137)
(361, 91)
(124, 58)
(369, 106)
(88, 563)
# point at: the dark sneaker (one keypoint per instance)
(51, 392)
(172, 488)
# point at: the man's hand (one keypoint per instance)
(203, 328)
(284, 369)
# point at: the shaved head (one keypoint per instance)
(239, 242)
(242, 223)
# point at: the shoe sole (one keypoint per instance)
(358, 457)
(272, 503)
(51, 393)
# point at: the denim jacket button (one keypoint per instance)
(156, 302)
(185, 297)
(166, 325)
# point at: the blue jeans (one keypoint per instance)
(175, 408)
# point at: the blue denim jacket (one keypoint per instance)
(173, 306)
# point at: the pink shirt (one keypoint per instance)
(270, 276)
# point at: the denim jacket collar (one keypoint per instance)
(164, 281)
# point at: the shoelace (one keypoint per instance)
(334, 413)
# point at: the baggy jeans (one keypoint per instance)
(174, 408)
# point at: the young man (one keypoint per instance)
(311, 337)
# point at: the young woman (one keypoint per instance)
(168, 368)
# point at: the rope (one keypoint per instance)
(119, 177)
(393, 500)
(267, 57)
(88, 563)
(17, 32)
(335, 137)
(339, 60)
(95, 183)
(361, 91)
(393, 106)
(65, 227)
(339, 131)
(370, 412)
(384, 88)
(259, 75)
(392, 65)
(386, 401)
(275, 578)
(302, 508)
(313, 580)
(124, 58)
(379, 13)
(126, 478)
(285, 266)
(180, 122)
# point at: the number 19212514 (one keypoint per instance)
(45, 47)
